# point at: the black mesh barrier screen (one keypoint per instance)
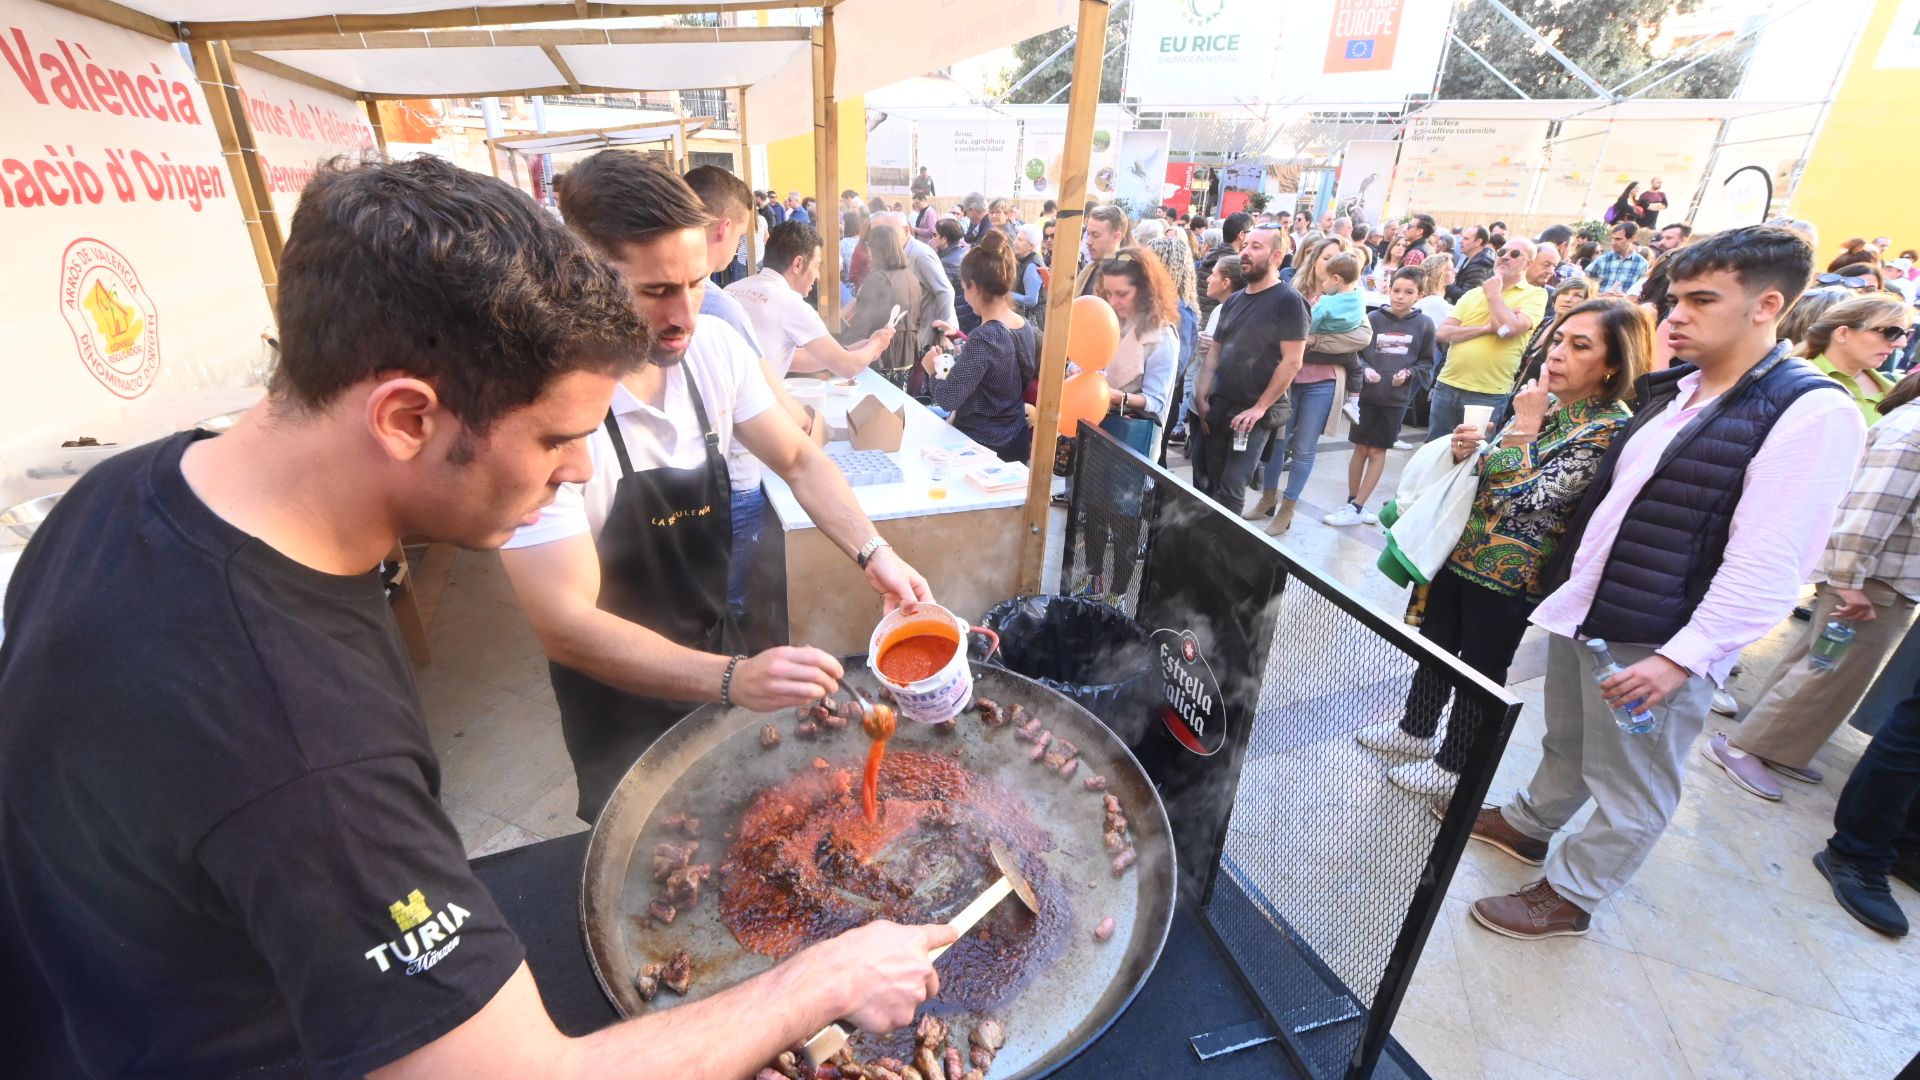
(1316, 873)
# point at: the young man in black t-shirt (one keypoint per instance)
(1257, 350)
(221, 846)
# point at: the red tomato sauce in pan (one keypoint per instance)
(911, 659)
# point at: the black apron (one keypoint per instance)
(663, 564)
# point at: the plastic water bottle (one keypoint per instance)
(1633, 717)
(1830, 645)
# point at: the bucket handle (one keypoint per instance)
(993, 640)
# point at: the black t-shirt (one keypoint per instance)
(220, 842)
(1252, 327)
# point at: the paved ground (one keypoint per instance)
(1725, 958)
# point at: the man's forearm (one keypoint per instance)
(1453, 335)
(822, 490)
(732, 1033)
(630, 657)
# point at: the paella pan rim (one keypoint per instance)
(1108, 989)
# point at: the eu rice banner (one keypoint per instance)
(296, 127)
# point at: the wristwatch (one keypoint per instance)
(868, 550)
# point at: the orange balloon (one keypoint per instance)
(1082, 397)
(1093, 334)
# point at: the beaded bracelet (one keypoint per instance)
(726, 682)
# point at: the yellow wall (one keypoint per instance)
(790, 161)
(1855, 179)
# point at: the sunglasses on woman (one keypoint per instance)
(1894, 334)
(1848, 280)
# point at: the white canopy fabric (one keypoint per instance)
(569, 142)
(233, 10)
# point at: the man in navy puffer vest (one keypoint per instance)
(1707, 514)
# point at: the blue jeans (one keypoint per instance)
(749, 511)
(1312, 404)
(1878, 816)
(1448, 405)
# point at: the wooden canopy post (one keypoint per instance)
(379, 129)
(213, 67)
(746, 173)
(826, 169)
(1082, 98)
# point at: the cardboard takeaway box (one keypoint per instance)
(873, 426)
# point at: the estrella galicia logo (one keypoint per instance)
(1192, 707)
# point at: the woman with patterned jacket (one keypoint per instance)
(1477, 607)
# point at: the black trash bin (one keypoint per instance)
(1087, 650)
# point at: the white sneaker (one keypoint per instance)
(1346, 515)
(1402, 444)
(1352, 409)
(1724, 704)
(1388, 738)
(1423, 778)
(1368, 517)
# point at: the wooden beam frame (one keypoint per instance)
(560, 65)
(379, 127)
(213, 66)
(503, 39)
(1082, 99)
(693, 125)
(826, 169)
(746, 173)
(433, 18)
(118, 15)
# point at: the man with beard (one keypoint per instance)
(624, 576)
(221, 842)
(1258, 348)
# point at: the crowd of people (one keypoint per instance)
(1667, 437)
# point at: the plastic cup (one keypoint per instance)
(1477, 415)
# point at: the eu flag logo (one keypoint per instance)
(1360, 49)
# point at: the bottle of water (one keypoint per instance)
(1633, 717)
(1830, 645)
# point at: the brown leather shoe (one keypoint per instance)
(1491, 828)
(1536, 911)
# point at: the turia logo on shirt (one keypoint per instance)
(426, 935)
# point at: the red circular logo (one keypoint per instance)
(114, 324)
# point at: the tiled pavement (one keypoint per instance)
(1726, 957)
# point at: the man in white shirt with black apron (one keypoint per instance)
(624, 576)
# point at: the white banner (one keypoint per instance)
(1462, 163)
(1592, 162)
(1366, 172)
(889, 153)
(1140, 177)
(129, 274)
(970, 155)
(1228, 52)
(1901, 47)
(1203, 52)
(296, 127)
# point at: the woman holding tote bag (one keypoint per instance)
(1478, 603)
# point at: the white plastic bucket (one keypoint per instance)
(944, 694)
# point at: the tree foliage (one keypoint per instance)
(1610, 40)
(1032, 51)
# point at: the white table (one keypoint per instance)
(967, 544)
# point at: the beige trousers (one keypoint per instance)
(1802, 705)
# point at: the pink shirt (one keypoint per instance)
(1793, 486)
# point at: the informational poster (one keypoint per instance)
(296, 127)
(1467, 163)
(128, 268)
(889, 153)
(1045, 145)
(1229, 52)
(970, 155)
(1366, 172)
(1901, 47)
(1245, 176)
(1592, 162)
(1140, 175)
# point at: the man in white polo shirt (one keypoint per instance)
(792, 333)
(624, 577)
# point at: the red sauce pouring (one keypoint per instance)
(911, 659)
